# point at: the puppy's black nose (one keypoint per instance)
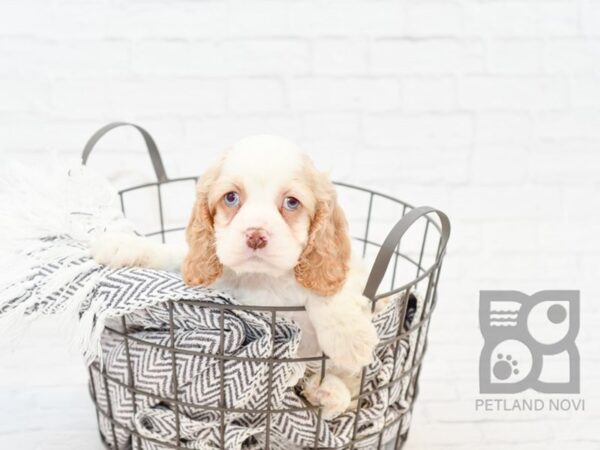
(256, 238)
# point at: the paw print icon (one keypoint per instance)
(529, 342)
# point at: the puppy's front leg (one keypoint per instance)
(344, 330)
(117, 249)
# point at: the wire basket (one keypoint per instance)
(405, 246)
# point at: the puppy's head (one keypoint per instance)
(263, 208)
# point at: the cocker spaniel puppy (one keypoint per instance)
(267, 228)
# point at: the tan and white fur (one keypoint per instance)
(267, 228)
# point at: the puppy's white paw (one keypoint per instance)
(350, 346)
(118, 250)
(332, 394)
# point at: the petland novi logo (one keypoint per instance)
(529, 343)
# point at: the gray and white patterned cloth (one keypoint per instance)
(136, 301)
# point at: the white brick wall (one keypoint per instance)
(489, 110)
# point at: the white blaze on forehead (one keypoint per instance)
(264, 159)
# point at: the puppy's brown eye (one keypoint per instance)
(232, 199)
(291, 203)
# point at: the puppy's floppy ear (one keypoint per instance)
(201, 265)
(323, 265)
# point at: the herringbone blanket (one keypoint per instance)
(140, 297)
(60, 278)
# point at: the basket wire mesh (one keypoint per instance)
(406, 259)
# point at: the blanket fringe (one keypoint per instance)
(40, 205)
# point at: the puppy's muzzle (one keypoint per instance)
(256, 238)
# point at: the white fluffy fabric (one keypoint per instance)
(56, 198)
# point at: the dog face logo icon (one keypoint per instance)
(529, 342)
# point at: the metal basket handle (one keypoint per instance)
(393, 238)
(159, 168)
